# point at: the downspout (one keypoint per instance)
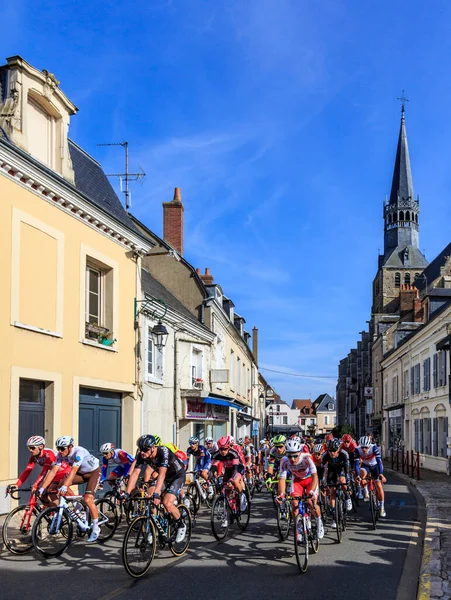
(176, 420)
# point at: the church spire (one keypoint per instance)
(402, 185)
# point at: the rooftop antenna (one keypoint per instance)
(127, 177)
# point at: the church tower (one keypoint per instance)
(402, 261)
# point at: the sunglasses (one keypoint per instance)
(346, 443)
(281, 446)
(194, 443)
(365, 447)
(223, 449)
(105, 453)
(32, 447)
(293, 456)
(61, 448)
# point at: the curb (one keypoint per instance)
(430, 542)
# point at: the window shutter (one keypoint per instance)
(412, 381)
(421, 444)
(434, 371)
(429, 445)
(445, 436)
(435, 436)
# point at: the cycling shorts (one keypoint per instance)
(119, 471)
(373, 471)
(228, 474)
(320, 472)
(299, 486)
(241, 469)
(332, 477)
(174, 486)
(91, 479)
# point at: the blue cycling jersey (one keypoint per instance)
(371, 459)
(201, 456)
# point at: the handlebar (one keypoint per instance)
(13, 490)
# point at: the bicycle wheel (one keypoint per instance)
(355, 495)
(52, 532)
(314, 539)
(179, 548)
(339, 520)
(139, 546)
(106, 510)
(134, 507)
(343, 512)
(17, 529)
(220, 518)
(195, 496)
(243, 516)
(112, 497)
(373, 508)
(283, 521)
(301, 543)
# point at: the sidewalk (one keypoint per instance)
(435, 576)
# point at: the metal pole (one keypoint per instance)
(402, 460)
(126, 177)
(418, 465)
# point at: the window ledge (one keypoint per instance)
(97, 345)
(37, 329)
(154, 380)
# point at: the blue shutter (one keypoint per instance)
(435, 370)
(412, 381)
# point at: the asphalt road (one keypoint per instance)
(251, 564)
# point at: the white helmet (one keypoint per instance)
(293, 447)
(318, 449)
(297, 438)
(232, 439)
(263, 443)
(36, 440)
(365, 441)
(64, 441)
(208, 440)
(108, 447)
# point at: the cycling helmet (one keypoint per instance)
(232, 440)
(293, 447)
(193, 440)
(318, 449)
(263, 443)
(224, 442)
(346, 437)
(328, 437)
(108, 447)
(279, 440)
(365, 441)
(333, 445)
(209, 440)
(240, 441)
(64, 441)
(145, 442)
(296, 437)
(157, 440)
(36, 440)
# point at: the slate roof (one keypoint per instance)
(321, 402)
(151, 286)
(395, 257)
(91, 181)
(432, 271)
(402, 185)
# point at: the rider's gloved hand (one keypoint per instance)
(63, 490)
(41, 490)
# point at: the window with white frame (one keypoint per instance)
(99, 302)
(154, 359)
(94, 295)
(326, 420)
(196, 367)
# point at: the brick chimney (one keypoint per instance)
(255, 343)
(173, 221)
(207, 277)
(410, 303)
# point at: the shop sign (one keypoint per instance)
(395, 414)
(368, 392)
(196, 409)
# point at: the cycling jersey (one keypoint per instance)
(122, 459)
(275, 458)
(304, 468)
(350, 448)
(371, 459)
(46, 460)
(201, 456)
(231, 462)
(237, 448)
(336, 466)
(166, 459)
(248, 452)
(213, 448)
(81, 458)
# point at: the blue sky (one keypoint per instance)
(279, 121)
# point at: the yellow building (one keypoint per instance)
(70, 259)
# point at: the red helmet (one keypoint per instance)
(224, 442)
(346, 437)
(328, 437)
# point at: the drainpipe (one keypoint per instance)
(176, 421)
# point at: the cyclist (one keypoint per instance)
(336, 470)
(304, 479)
(211, 445)
(84, 469)
(169, 471)
(201, 457)
(370, 457)
(276, 454)
(305, 447)
(263, 455)
(231, 463)
(238, 450)
(118, 457)
(317, 459)
(249, 455)
(45, 458)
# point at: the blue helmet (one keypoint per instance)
(193, 440)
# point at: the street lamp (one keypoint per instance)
(159, 335)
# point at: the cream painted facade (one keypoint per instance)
(416, 408)
(51, 233)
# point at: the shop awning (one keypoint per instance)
(221, 402)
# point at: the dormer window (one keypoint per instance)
(232, 314)
(331, 406)
(219, 297)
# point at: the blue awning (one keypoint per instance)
(221, 402)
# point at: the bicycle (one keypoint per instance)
(53, 529)
(200, 493)
(18, 524)
(226, 509)
(305, 533)
(116, 496)
(340, 509)
(284, 518)
(374, 502)
(140, 540)
(249, 481)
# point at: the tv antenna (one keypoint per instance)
(126, 177)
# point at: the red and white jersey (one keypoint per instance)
(302, 469)
(46, 461)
